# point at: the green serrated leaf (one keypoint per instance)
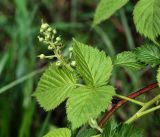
(147, 19)
(87, 133)
(127, 59)
(149, 54)
(61, 132)
(109, 129)
(106, 8)
(54, 87)
(88, 102)
(158, 76)
(93, 65)
(123, 130)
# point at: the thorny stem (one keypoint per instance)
(109, 113)
(141, 112)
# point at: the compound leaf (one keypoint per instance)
(61, 132)
(127, 59)
(54, 87)
(106, 8)
(147, 19)
(93, 65)
(149, 54)
(88, 102)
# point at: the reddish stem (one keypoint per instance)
(108, 114)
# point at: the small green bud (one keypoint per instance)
(40, 39)
(41, 30)
(54, 31)
(50, 47)
(47, 37)
(41, 56)
(49, 29)
(58, 39)
(73, 63)
(58, 63)
(44, 26)
(70, 49)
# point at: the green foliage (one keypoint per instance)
(18, 27)
(54, 87)
(148, 54)
(87, 102)
(106, 8)
(123, 130)
(86, 133)
(93, 65)
(58, 83)
(61, 132)
(128, 59)
(95, 69)
(147, 19)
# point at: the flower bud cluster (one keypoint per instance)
(48, 37)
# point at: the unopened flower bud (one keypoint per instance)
(73, 63)
(58, 39)
(54, 31)
(49, 29)
(40, 39)
(50, 47)
(41, 30)
(41, 56)
(70, 49)
(44, 26)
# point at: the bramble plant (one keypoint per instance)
(82, 77)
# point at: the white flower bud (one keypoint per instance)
(41, 56)
(70, 49)
(49, 29)
(41, 30)
(44, 26)
(54, 31)
(50, 47)
(73, 63)
(40, 39)
(58, 39)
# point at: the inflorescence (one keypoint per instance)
(48, 36)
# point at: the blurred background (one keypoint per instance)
(20, 69)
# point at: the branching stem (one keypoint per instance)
(142, 111)
(115, 107)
